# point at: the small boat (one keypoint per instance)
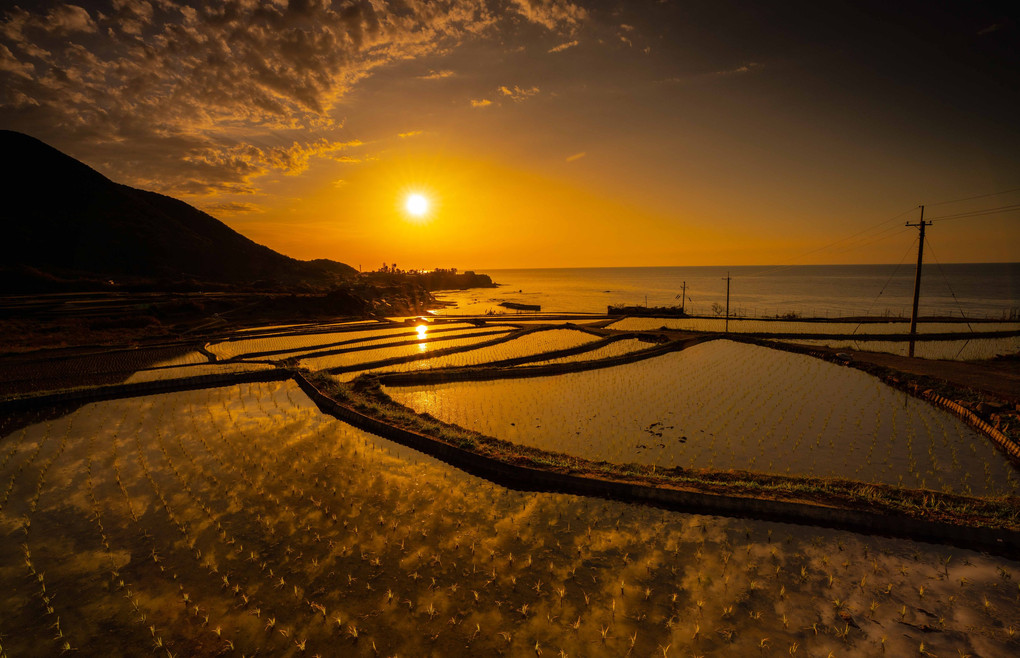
(521, 307)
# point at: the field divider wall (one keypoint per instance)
(974, 421)
(138, 389)
(524, 478)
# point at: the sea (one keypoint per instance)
(976, 291)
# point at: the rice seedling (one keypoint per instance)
(249, 503)
(611, 413)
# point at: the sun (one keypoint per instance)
(416, 205)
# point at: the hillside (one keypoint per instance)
(63, 221)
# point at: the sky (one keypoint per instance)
(544, 133)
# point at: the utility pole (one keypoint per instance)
(682, 296)
(727, 330)
(917, 280)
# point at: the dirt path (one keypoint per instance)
(1000, 378)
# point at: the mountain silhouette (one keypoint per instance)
(63, 219)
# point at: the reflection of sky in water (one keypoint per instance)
(726, 405)
(349, 519)
(379, 353)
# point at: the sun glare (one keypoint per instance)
(416, 205)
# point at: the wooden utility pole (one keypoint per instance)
(727, 330)
(917, 280)
(682, 296)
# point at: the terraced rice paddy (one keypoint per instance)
(161, 374)
(616, 348)
(299, 343)
(187, 359)
(748, 326)
(726, 405)
(520, 347)
(240, 520)
(951, 350)
(383, 351)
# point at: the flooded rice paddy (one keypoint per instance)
(413, 347)
(197, 370)
(523, 346)
(240, 520)
(616, 348)
(726, 405)
(301, 342)
(748, 326)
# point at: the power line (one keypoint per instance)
(980, 213)
(949, 286)
(881, 234)
(886, 285)
(783, 268)
(872, 239)
(971, 198)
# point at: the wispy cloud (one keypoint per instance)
(551, 13)
(743, 68)
(480, 102)
(437, 75)
(576, 156)
(410, 133)
(231, 208)
(518, 94)
(563, 46)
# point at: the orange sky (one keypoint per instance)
(545, 133)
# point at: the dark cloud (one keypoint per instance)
(231, 208)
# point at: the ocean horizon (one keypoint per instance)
(972, 290)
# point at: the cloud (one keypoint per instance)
(437, 75)
(576, 156)
(517, 94)
(68, 19)
(552, 14)
(410, 133)
(743, 68)
(185, 96)
(231, 208)
(11, 64)
(739, 70)
(563, 46)
(481, 102)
